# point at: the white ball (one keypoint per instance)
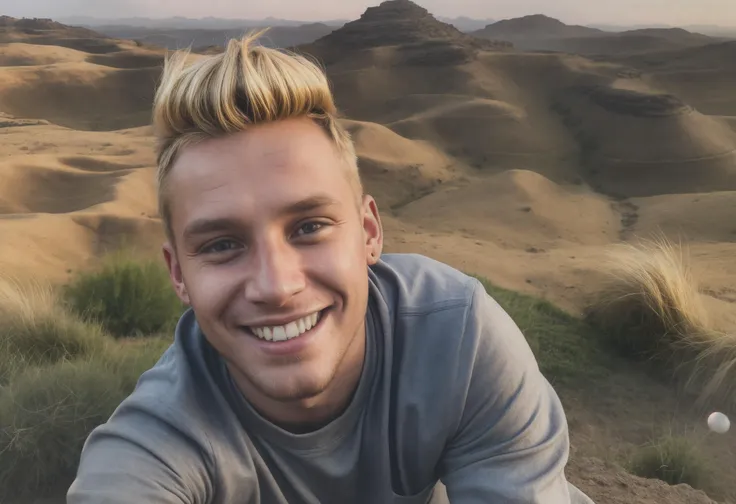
(719, 423)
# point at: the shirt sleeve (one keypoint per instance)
(137, 457)
(511, 443)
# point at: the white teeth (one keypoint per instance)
(292, 330)
(289, 331)
(279, 333)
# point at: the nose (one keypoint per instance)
(277, 274)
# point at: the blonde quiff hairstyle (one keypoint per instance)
(246, 85)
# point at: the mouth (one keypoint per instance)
(290, 331)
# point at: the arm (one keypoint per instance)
(511, 444)
(139, 458)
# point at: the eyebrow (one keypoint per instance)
(309, 204)
(206, 225)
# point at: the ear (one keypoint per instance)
(372, 230)
(175, 274)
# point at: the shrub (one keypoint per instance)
(129, 297)
(46, 414)
(672, 459)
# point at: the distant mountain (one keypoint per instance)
(197, 38)
(207, 23)
(462, 23)
(679, 35)
(713, 31)
(404, 33)
(466, 24)
(633, 42)
(537, 26)
(395, 22)
(542, 33)
(622, 28)
(710, 30)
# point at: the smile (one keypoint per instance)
(292, 330)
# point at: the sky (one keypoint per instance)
(673, 12)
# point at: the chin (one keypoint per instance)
(296, 387)
(298, 392)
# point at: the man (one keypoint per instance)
(309, 368)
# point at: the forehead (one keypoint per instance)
(266, 166)
(273, 148)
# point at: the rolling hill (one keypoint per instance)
(493, 108)
(49, 32)
(436, 114)
(74, 180)
(703, 76)
(521, 166)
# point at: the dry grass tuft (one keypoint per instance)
(651, 308)
(674, 460)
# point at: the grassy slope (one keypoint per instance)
(567, 348)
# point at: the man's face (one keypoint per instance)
(272, 246)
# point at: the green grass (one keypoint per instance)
(47, 412)
(674, 460)
(129, 297)
(567, 348)
(61, 375)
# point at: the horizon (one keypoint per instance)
(654, 13)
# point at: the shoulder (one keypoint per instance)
(153, 447)
(163, 402)
(170, 415)
(431, 315)
(414, 283)
(448, 342)
(440, 316)
(176, 430)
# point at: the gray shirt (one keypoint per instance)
(450, 405)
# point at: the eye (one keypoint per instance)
(220, 246)
(309, 228)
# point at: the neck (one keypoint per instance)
(311, 413)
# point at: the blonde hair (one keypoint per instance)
(246, 85)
